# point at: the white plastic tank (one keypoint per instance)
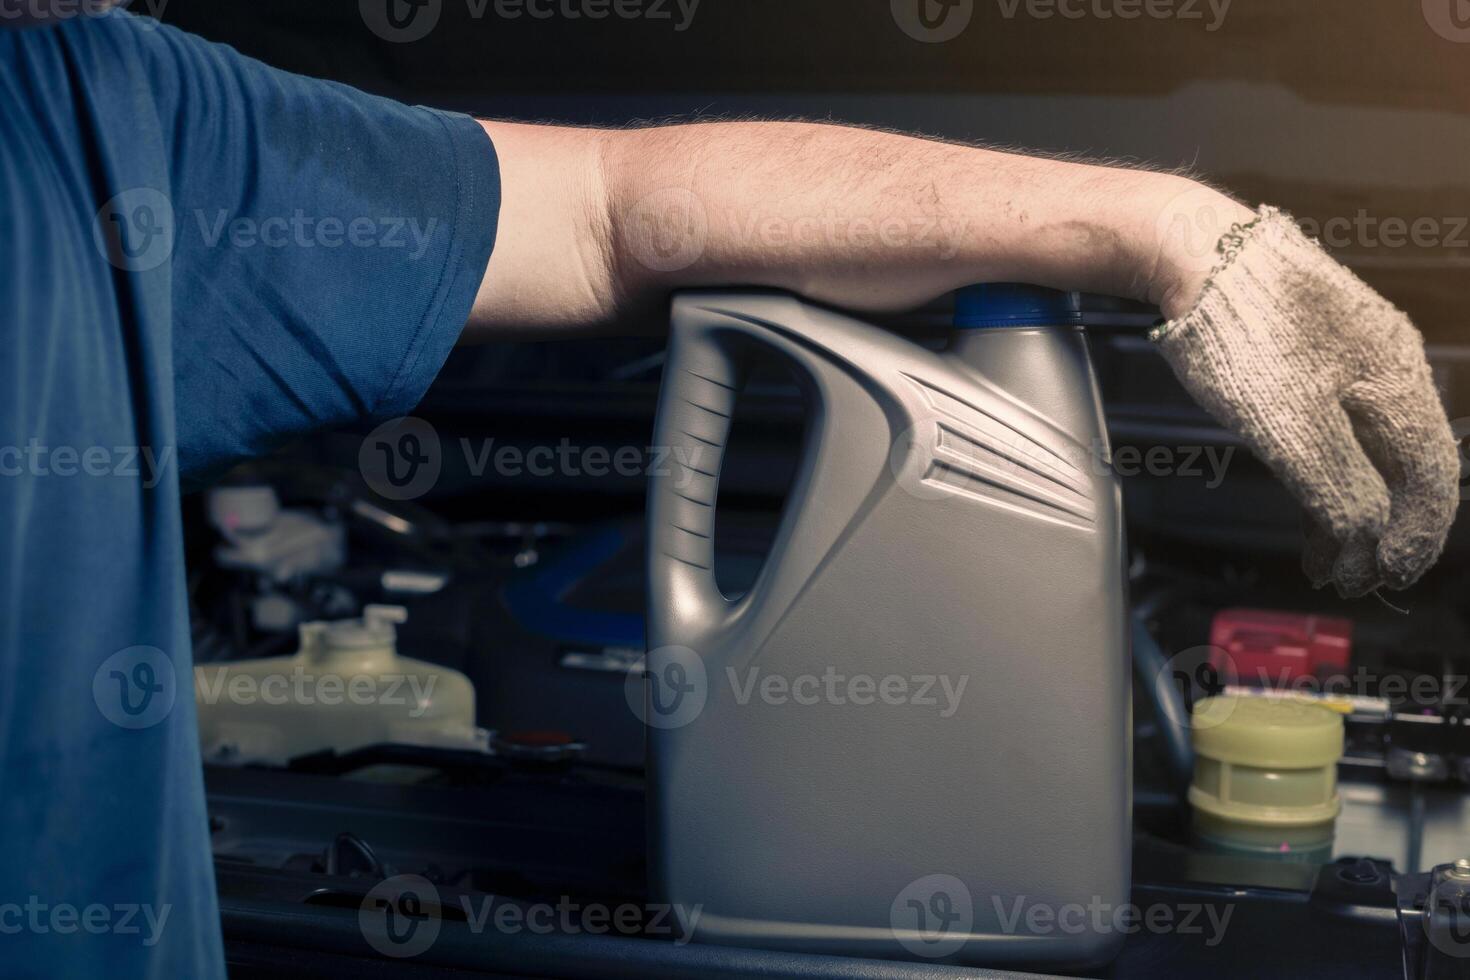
(346, 688)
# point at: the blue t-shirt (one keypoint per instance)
(202, 257)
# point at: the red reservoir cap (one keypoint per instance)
(1264, 648)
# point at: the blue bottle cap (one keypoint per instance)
(1011, 304)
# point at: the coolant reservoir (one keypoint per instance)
(346, 688)
(1265, 777)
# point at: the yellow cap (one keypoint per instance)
(1269, 733)
(1262, 765)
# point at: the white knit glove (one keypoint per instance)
(1328, 384)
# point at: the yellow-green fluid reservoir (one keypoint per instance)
(1265, 777)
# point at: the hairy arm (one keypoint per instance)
(600, 225)
(1323, 378)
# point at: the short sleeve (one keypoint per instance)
(329, 245)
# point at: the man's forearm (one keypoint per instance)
(597, 225)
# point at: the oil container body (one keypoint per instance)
(910, 737)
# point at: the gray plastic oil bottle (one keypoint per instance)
(910, 738)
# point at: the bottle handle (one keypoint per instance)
(703, 373)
